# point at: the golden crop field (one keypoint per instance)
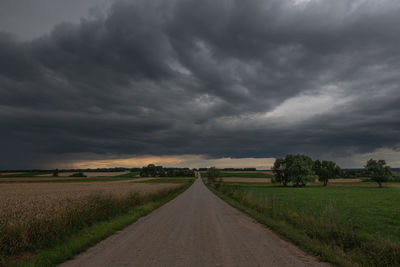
(32, 215)
(20, 201)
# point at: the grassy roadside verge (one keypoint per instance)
(51, 242)
(322, 236)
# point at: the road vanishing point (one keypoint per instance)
(195, 229)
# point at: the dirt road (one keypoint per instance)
(195, 229)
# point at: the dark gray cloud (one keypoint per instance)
(30, 19)
(219, 78)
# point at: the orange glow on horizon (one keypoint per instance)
(190, 161)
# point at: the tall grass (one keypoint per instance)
(35, 233)
(320, 233)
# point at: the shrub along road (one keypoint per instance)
(195, 229)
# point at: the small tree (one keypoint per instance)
(378, 171)
(326, 170)
(212, 174)
(55, 173)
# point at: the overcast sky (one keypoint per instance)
(198, 82)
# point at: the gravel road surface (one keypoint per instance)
(195, 229)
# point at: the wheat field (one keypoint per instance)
(32, 215)
(22, 201)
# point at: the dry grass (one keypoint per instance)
(393, 185)
(25, 200)
(344, 180)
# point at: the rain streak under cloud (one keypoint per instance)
(199, 82)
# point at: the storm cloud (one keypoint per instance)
(228, 78)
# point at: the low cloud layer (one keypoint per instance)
(216, 78)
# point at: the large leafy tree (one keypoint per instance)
(293, 168)
(378, 171)
(299, 169)
(279, 172)
(326, 170)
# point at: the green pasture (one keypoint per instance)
(371, 211)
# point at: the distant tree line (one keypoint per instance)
(300, 169)
(116, 169)
(152, 170)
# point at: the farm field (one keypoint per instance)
(268, 175)
(268, 180)
(88, 174)
(10, 173)
(248, 172)
(352, 215)
(20, 201)
(37, 215)
(31, 177)
(38, 174)
(67, 179)
(242, 174)
(246, 180)
(372, 212)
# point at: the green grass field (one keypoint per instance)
(174, 180)
(343, 223)
(373, 212)
(246, 174)
(242, 174)
(129, 175)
